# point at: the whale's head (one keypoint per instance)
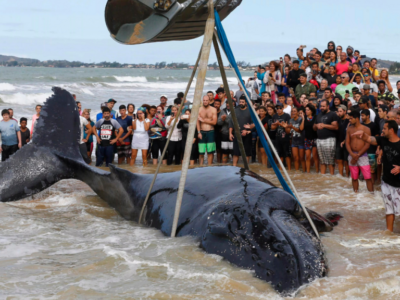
(266, 237)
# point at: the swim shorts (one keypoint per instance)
(341, 152)
(372, 163)
(309, 144)
(391, 197)
(124, 150)
(361, 164)
(282, 147)
(326, 151)
(207, 142)
(226, 144)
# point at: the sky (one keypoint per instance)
(259, 31)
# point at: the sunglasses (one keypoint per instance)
(366, 75)
(343, 77)
(338, 48)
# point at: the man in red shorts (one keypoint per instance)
(358, 157)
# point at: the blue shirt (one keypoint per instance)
(8, 132)
(125, 123)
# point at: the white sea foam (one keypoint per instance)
(6, 86)
(131, 78)
(25, 99)
(87, 92)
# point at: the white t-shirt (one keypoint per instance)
(83, 122)
(288, 110)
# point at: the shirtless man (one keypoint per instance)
(205, 126)
(358, 157)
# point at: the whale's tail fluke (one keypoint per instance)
(36, 166)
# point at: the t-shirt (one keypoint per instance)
(374, 132)
(341, 68)
(343, 123)
(297, 137)
(281, 134)
(310, 133)
(243, 117)
(270, 120)
(326, 118)
(341, 89)
(390, 158)
(373, 88)
(125, 123)
(8, 131)
(107, 130)
(90, 140)
(24, 136)
(83, 123)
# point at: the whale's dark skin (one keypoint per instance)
(233, 212)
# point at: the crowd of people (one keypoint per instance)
(319, 110)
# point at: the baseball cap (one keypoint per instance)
(279, 104)
(366, 87)
(104, 104)
(384, 107)
(112, 100)
(165, 96)
(350, 47)
(343, 107)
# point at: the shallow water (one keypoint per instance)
(66, 243)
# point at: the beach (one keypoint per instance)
(66, 241)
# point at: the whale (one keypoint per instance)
(232, 212)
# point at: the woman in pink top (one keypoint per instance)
(35, 117)
(343, 65)
(338, 81)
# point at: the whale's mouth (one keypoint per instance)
(272, 243)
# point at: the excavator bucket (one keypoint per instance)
(133, 22)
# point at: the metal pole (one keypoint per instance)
(276, 155)
(169, 137)
(205, 55)
(236, 127)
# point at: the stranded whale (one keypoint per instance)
(233, 212)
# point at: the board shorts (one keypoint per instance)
(124, 150)
(372, 163)
(283, 148)
(7, 151)
(326, 151)
(341, 152)
(247, 144)
(309, 144)
(361, 164)
(207, 142)
(226, 144)
(391, 198)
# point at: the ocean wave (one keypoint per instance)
(6, 86)
(131, 78)
(149, 85)
(25, 99)
(219, 79)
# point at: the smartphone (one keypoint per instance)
(281, 59)
(270, 75)
(303, 46)
(251, 78)
(185, 117)
(347, 92)
(363, 56)
(173, 114)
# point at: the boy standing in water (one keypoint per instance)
(25, 132)
(10, 136)
(358, 157)
(390, 144)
